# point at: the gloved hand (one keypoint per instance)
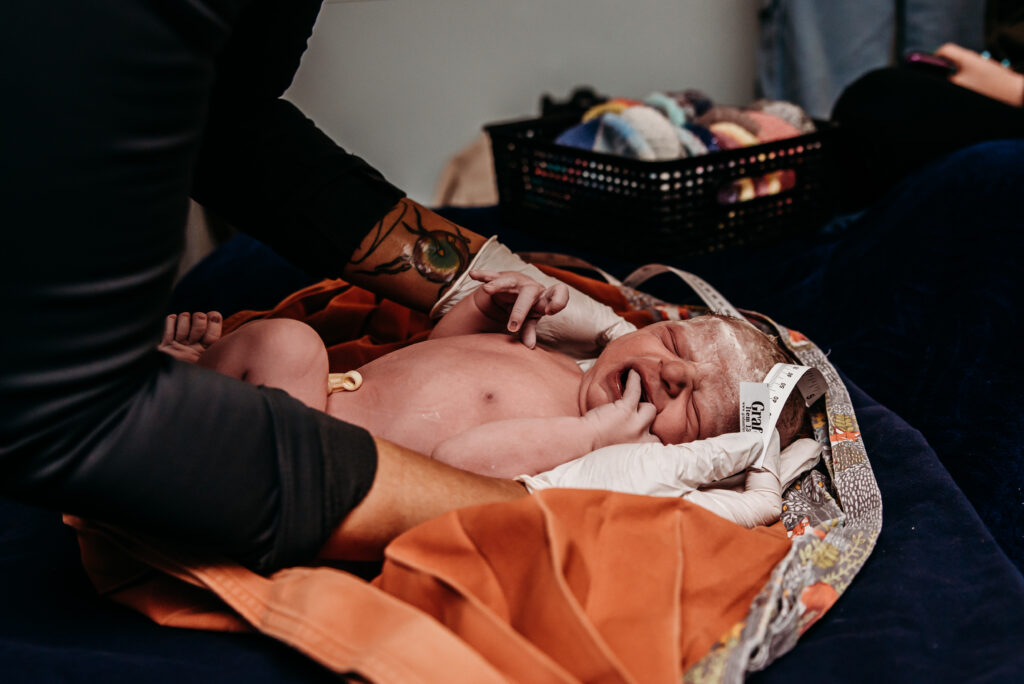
(795, 460)
(680, 471)
(518, 301)
(581, 329)
(760, 502)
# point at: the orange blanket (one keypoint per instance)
(572, 585)
(562, 586)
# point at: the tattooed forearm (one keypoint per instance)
(410, 252)
(380, 232)
(397, 265)
(439, 252)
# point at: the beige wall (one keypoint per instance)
(406, 83)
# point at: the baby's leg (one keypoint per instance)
(281, 353)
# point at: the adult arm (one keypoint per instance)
(407, 490)
(268, 170)
(272, 173)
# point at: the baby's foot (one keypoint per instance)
(187, 336)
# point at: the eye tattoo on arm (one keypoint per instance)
(439, 254)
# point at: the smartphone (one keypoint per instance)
(926, 61)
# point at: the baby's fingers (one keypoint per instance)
(200, 322)
(529, 334)
(554, 299)
(642, 421)
(170, 325)
(631, 392)
(525, 299)
(183, 326)
(646, 413)
(483, 276)
(494, 283)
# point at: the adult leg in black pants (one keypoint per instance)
(114, 112)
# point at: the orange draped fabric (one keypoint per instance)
(562, 586)
(608, 587)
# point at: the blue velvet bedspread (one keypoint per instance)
(917, 301)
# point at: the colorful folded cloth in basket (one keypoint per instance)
(668, 126)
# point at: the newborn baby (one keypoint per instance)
(479, 399)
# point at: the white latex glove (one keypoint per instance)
(652, 468)
(760, 502)
(680, 470)
(580, 330)
(795, 460)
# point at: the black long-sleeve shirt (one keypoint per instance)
(114, 112)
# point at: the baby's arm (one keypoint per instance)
(518, 446)
(526, 446)
(509, 301)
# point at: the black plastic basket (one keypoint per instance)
(650, 210)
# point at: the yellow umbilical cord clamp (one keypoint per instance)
(344, 382)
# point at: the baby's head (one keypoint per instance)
(691, 371)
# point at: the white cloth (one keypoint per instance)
(686, 470)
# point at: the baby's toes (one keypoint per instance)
(183, 327)
(170, 324)
(198, 329)
(213, 328)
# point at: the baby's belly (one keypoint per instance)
(421, 395)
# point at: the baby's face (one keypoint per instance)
(690, 370)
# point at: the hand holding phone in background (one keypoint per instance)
(982, 75)
(930, 63)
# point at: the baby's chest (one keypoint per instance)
(468, 390)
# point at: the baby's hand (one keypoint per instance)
(522, 298)
(626, 421)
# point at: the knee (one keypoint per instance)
(285, 344)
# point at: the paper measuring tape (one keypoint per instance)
(761, 402)
(708, 294)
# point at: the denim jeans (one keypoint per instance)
(811, 49)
